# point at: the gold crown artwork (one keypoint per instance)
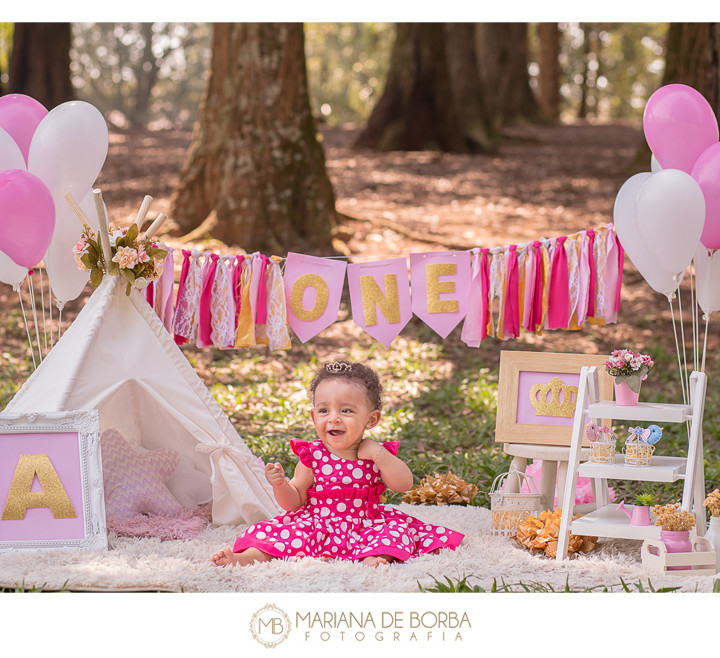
(554, 407)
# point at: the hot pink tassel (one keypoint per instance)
(558, 294)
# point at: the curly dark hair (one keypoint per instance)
(352, 372)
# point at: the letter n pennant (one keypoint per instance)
(380, 297)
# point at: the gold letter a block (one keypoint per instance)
(21, 496)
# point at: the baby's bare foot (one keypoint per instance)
(225, 557)
(375, 560)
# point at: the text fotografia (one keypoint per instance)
(385, 626)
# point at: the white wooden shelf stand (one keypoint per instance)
(606, 520)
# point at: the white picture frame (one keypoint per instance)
(51, 481)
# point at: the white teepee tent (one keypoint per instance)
(118, 357)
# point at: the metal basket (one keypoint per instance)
(507, 510)
(602, 451)
(638, 454)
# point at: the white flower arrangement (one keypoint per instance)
(138, 261)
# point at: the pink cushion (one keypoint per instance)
(135, 483)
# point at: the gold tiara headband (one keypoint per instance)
(338, 367)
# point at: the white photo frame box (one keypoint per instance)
(51, 483)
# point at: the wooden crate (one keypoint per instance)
(701, 561)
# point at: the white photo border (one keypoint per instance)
(87, 426)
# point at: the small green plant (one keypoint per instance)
(645, 499)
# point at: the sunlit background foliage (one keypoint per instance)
(608, 70)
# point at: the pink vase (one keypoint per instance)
(676, 541)
(625, 396)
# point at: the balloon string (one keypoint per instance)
(695, 323)
(677, 350)
(42, 306)
(60, 306)
(706, 315)
(692, 317)
(33, 305)
(50, 312)
(682, 336)
(27, 327)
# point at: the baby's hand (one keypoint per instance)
(275, 475)
(369, 449)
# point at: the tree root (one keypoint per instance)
(408, 233)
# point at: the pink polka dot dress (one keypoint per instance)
(342, 517)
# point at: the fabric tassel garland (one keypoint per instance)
(562, 283)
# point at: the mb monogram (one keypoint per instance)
(270, 625)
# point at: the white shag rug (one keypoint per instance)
(185, 566)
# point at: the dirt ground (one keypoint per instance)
(543, 181)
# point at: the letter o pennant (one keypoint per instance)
(313, 289)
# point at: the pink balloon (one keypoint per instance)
(27, 217)
(679, 125)
(20, 116)
(707, 174)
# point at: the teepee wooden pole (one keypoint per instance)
(103, 225)
(142, 213)
(155, 225)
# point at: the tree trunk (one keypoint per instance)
(40, 63)
(582, 111)
(418, 109)
(692, 58)
(147, 75)
(466, 88)
(549, 76)
(255, 166)
(503, 58)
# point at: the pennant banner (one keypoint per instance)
(242, 301)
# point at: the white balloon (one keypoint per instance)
(707, 279)
(10, 271)
(11, 156)
(66, 279)
(652, 269)
(670, 212)
(68, 149)
(67, 152)
(654, 164)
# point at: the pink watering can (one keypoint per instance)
(640, 514)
